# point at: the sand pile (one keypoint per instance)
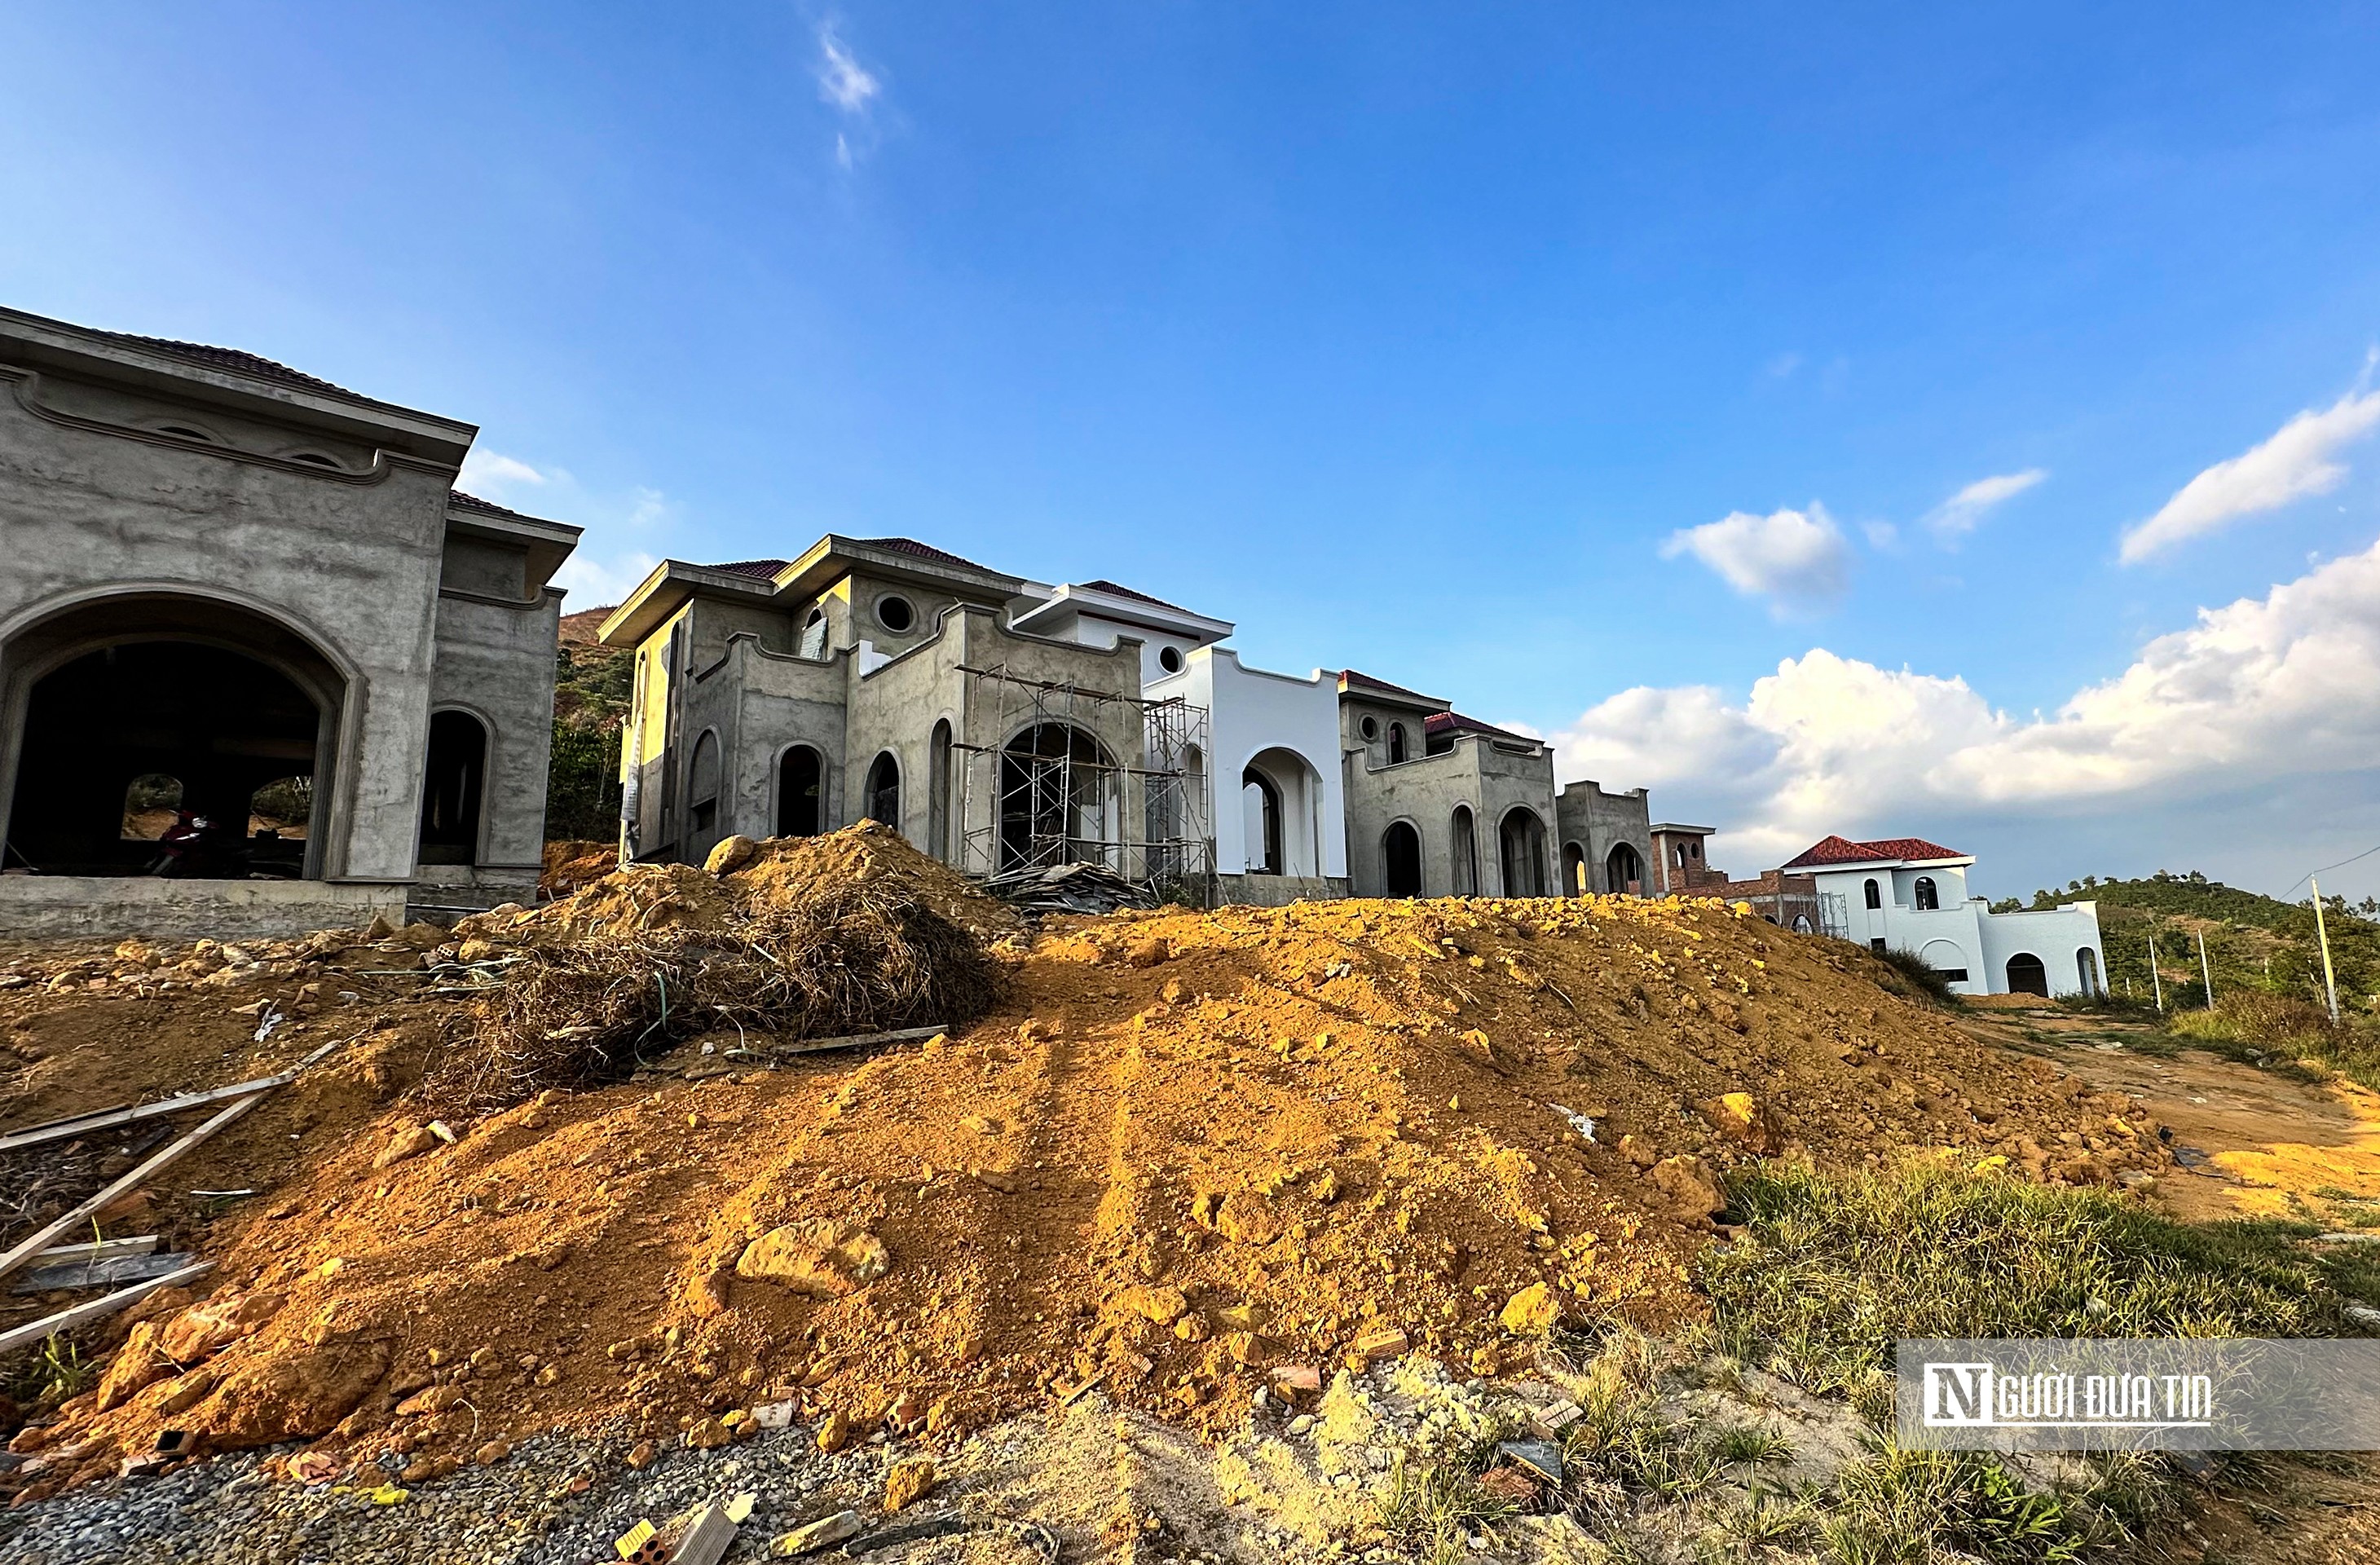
(1188, 1155)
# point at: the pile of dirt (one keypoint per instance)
(1187, 1156)
(571, 864)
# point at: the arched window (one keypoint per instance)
(938, 791)
(1575, 871)
(1522, 836)
(451, 786)
(1060, 798)
(813, 643)
(1464, 851)
(702, 780)
(1400, 856)
(1875, 896)
(1260, 821)
(2086, 967)
(1396, 743)
(884, 790)
(2027, 975)
(801, 793)
(1623, 872)
(151, 801)
(1928, 899)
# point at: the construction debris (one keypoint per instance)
(107, 1271)
(99, 1309)
(816, 1536)
(1069, 887)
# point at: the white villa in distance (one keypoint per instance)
(1905, 893)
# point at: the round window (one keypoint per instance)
(1170, 660)
(1371, 728)
(895, 614)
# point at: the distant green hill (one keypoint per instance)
(2253, 941)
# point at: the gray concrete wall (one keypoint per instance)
(95, 503)
(115, 908)
(1489, 778)
(490, 655)
(1597, 822)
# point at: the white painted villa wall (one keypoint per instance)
(1289, 727)
(1963, 933)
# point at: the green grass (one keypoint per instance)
(1929, 1505)
(1834, 1268)
(54, 1373)
(1436, 1507)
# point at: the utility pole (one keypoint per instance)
(2156, 984)
(2322, 934)
(2206, 974)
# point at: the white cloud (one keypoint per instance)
(2298, 460)
(594, 583)
(1957, 516)
(843, 81)
(1797, 560)
(2259, 691)
(489, 474)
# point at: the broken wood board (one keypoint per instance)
(98, 1309)
(856, 1041)
(707, 1537)
(99, 1250)
(60, 1130)
(16, 1259)
(113, 1271)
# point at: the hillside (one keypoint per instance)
(591, 689)
(2253, 941)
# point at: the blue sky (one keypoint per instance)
(1415, 341)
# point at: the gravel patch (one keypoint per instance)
(517, 1511)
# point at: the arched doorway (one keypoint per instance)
(1573, 879)
(801, 793)
(1521, 837)
(2027, 975)
(1464, 852)
(1401, 856)
(204, 702)
(1623, 871)
(703, 781)
(1057, 799)
(1286, 787)
(1260, 821)
(2086, 967)
(453, 780)
(883, 790)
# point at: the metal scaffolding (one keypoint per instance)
(1047, 789)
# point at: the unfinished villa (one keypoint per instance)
(261, 667)
(1005, 725)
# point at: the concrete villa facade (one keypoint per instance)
(228, 580)
(1004, 725)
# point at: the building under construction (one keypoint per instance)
(1009, 728)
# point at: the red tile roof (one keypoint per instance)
(1365, 682)
(1842, 850)
(925, 551)
(764, 569)
(232, 358)
(1455, 722)
(1119, 590)
(462, 501)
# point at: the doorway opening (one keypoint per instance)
(1401, 851)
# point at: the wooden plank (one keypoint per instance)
(98, 1250)
(24, 1253)
(857, 1040)
(59, 1130)
(98, 1309)
(113, 1272)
